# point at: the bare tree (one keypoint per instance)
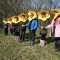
(9, 8)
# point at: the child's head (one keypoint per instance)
(58, 19)
(23, 16)
(31, 15)
(10, 20)
(55, 12)
(43, 15)
(5, 20)
(16, 19)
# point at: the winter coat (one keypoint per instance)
(32, 25)
(57, 28)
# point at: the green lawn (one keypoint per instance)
(15, 50)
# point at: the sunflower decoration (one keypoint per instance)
(23, 17)
(5, 20)
(55, 11)
(9, 20)
(15, 19)
(32, 15)
(56, 16)
(43, 15)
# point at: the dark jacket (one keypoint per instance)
(43, 24)
(15, 27)
(21, 27)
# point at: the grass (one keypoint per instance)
(14, 50)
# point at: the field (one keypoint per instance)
(15, 50)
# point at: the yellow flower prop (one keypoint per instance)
(34, 15)
(5, 20)
(43, 12)
(23, 17)
(9, 20)
(55, 10)
(15, 19)
(57, 15)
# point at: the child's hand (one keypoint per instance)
(23, 25)
(41, 27)
(45, 27)
(8, 28)
(12, 27)
(31, 28)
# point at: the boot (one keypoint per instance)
(32, 42)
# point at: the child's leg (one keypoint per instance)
(14, 35)
(30, 36)
(33, 37)
(20, 36)
(6, 31)
(42, 41)
(11, 31)
(57, 44)
(17, 35)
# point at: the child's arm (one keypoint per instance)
(27, 24)
(50, 25)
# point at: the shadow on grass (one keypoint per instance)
(49, 40)
(37, 39)
(26, 36)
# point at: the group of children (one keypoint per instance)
(18, 24)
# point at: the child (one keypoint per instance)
(5, 25)
(22, 28)
(10, 25)
(16, 27)
(43, 15)
(55, 30)
(32, 26)
(55, 11)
